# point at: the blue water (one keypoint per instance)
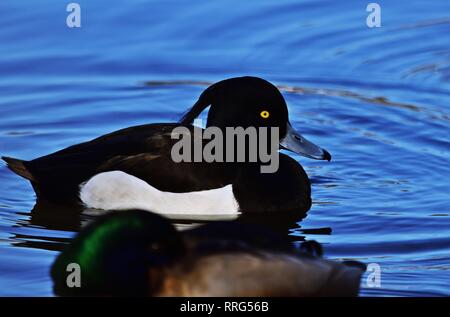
(377, 98)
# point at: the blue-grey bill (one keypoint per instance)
(295, 142)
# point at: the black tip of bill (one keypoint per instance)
(326, 155)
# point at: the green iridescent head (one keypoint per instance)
(115, 254)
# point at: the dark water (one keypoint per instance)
(378, 99)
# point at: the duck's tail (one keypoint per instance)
(18, 167)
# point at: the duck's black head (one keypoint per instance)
(252, 102)
(115, 254)
(246, 102)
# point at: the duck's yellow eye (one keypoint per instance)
(264, 114)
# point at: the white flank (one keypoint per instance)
(117, 190)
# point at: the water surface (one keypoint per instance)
(378, 99)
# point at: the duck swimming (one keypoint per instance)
(139, 253)
(133, 169)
